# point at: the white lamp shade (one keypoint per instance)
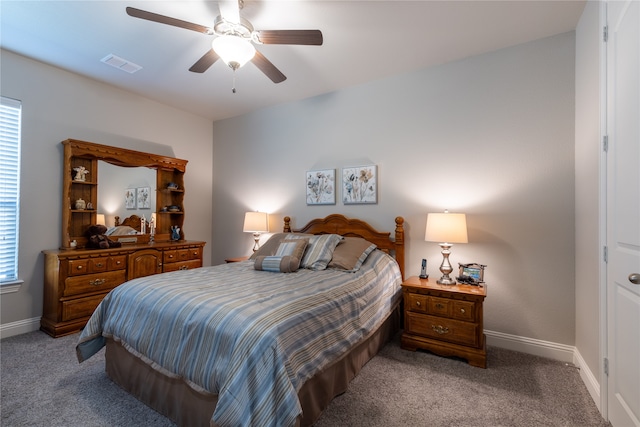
(100, 219)
(233, 49)
(256, 222)
(446, 228)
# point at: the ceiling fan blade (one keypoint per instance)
(205, 62)
(150, 16)
(268, 68)
(305, 37)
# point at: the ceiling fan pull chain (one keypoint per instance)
(233, 88)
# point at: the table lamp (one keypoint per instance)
(256, 223)
(446, 228)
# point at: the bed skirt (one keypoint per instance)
(178, 401)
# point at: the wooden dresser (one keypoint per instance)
(444, 319)
(75, 281)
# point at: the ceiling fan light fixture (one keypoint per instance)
(235, 51)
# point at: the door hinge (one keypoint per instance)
(605, 254)
(605, 143)
(605, 33)
(606, 366)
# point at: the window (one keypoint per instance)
(10, 117)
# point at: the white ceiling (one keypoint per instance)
(363, 41)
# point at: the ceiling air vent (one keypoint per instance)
(121, 63)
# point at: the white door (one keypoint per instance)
(623, 212)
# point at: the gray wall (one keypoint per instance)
(491, 136)
(588, 149)
(58, 105)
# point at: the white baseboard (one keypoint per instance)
(588, 378)
(551, 350)
(20, 327)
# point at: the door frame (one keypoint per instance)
(604, 379)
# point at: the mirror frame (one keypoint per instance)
(76, 150)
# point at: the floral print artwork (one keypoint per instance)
(360, 184)
(321, 187)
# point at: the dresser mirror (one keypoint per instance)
(120, 171)
(115, 181)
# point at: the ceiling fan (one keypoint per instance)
(235, 39)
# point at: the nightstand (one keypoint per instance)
(236, 259)
(444, 319)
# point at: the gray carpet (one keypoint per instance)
(44, 385)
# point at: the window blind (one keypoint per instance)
(10, 123)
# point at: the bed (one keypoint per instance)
(259, 347)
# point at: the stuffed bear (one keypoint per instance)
(97, 240)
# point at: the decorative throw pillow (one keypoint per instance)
(292, 247)
(278, 264)
(270, 247)
(319, 250)
(351, 253)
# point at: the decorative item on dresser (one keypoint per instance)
(444, 319)
(76, 278)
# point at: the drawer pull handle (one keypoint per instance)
(97, 282)
(184, 267)
(118, 262)
(462, 311)
(99, 264)
(440, 329)
(418, 303)
(438, 305)
(79, 267)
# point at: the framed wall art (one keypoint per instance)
(130, 198)
(321, 187)
(360, 185)
(144, 197)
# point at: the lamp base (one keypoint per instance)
(446, 280)
(445, 267)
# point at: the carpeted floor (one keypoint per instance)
(43, 385)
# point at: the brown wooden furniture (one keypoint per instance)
(87, 155)
(236, 259)
(134, 221)
(444, 319)
(166, 394)
(77, 280)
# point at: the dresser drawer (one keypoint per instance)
(443, 329)
(80, 307)
(117, 262)
(185, 265)
(93, 282)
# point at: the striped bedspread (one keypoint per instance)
(252, 337)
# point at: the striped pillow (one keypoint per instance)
(292, 247)
(277, 264)
(319, 250)
(351, 253)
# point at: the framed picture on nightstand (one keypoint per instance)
(471, 274)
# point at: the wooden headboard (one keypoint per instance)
(133, 221)
(339, 224)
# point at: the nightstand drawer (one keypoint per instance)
(464, 310)
(443, 329)
(417, 303)
(440, 306)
